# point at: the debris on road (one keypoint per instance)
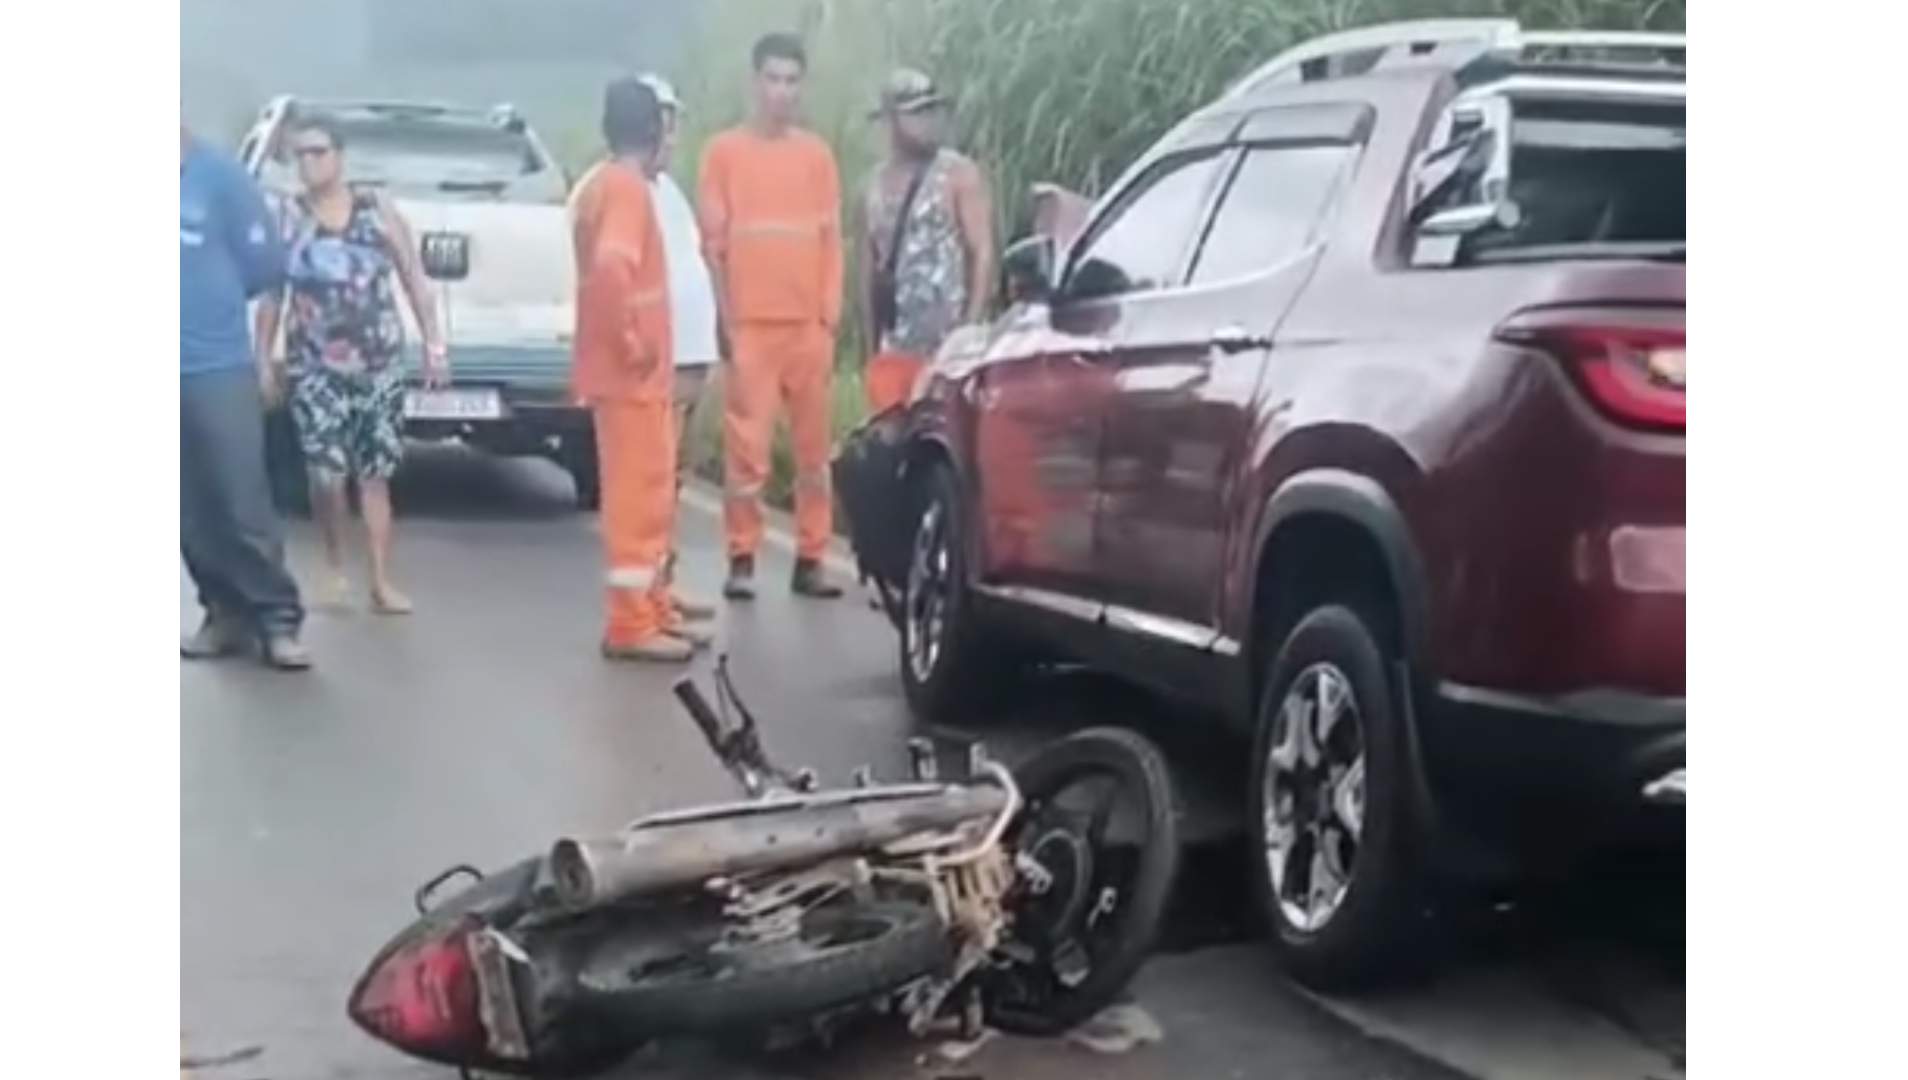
(957, 1051)
(187, 1062)
(1118, 1029)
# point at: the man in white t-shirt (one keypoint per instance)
(692, 306)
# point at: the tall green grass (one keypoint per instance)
(1069, 91)
(1064, 90)
(1073, 90)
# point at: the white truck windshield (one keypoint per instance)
(446, 160)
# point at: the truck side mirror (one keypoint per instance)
(1027, 270)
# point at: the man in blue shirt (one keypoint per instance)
(229, 532)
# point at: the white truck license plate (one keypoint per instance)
(454, 403)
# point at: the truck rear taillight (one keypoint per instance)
(1633, 373)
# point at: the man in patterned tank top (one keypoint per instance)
(920, 280)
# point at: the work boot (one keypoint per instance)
(691, 608)
(741, 583)
(281, 649)
(219, 635)
(808, 581)
(662, 648)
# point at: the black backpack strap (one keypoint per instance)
(893, 257)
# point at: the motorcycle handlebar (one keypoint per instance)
(705, 717)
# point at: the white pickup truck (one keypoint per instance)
(486, 201)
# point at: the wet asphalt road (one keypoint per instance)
(484, 725)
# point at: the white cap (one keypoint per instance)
(665, 93)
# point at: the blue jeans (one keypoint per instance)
(229, 533)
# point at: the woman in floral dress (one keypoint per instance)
(344, 344)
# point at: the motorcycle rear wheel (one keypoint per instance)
(696, 983)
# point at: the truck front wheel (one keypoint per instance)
(579, 459)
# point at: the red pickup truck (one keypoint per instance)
(1354, 416)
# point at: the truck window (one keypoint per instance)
(1141, 242)
(444, 160)
(1275, 208)
(1588, 178)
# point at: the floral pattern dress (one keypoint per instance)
(344, 341)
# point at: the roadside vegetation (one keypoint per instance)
(1067, 91)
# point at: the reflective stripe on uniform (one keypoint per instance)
(632, 577)
(779, 227)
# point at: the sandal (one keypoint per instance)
(390, 602)
(332, 594)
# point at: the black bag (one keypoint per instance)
(885, 304)
(869, 472)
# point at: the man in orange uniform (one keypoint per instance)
(624, 370)
(770, 206)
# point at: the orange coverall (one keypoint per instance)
(770, 211)
(622, 368)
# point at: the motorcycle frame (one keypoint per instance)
(966, 877)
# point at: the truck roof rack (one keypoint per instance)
(1598, 53)
(1670, 45)
(1498, 46)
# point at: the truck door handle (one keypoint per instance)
(1233, 338)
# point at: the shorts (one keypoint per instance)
(349, 424)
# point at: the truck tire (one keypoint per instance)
(1334, 872)
(945, 662)
(844, 953)
(579, 459)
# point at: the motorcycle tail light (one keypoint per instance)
(422, 998)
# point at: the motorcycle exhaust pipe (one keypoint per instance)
(593, 871)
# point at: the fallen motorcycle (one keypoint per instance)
(1024, 900)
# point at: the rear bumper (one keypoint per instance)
(1553, 776)
(531, 425)
(534, 383)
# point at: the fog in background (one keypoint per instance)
(548, 57)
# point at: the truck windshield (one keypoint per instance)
(1589, 180)
(447, 160)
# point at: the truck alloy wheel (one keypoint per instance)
(930, 578)
(1314, 802)
(1339, 884)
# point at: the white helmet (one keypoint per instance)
(665, 93)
